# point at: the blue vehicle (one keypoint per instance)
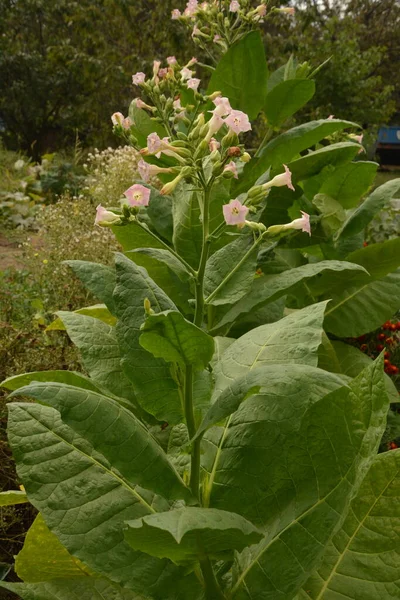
(388, 146)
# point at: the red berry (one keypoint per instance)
(387, 362)
(387, 354)
(393, 327)
(389, 341)
(365, 244)
(394, 370)
(363, 347)
(381, 336)
(379, 347)
(393, 446)
(362, 338)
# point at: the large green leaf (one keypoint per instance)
(241, 75)
(115, 432)
(379, 198)
(97, 311)
(12, 497)
(269, 288)
(363, 559)
(221, 264)
(287, 146)
(143, 124)
(349, 183)
(133, 236)
(286, 98)
(151, 378)
(98, 345)
(85, 502)
(88, 588)
(68, 377)
(366, 303)
(312, 163)
(44, 558)
(187, 534)
(98, 279)
(352, 361)
(292, 340)
(291, 465)
(170, 336)
(159, 212)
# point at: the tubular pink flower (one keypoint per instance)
(214, 145)
(191, 8)
(280, 180)
(156, 67)
(127, 123)
(222, 106)
(303, 223)
(154, 143)
(196, 31)
(138, 78)
(235, 213)
(117, 118)
(138, 195)
(186, 73)
(144, 171)
(104, 217)
(171, 60)
(214, 125)
(261, 10)
(162, 73)
(234, 6)
(176, 14)
(216, 38)
(288, 10)
(192, 62)
(331, 117)
(238, 121)
(193, 83)
(232, 168)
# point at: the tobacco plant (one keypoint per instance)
(223, 444)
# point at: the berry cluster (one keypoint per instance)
(388, 340)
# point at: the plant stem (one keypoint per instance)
(191, 425)
(171, 250)
(198, 317)
(235, 270)
(213, 591)
(268, 135)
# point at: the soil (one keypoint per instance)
(10, 253)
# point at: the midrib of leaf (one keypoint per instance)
(304, 514)
(336, 566)
(216, 460)
(113, 475)
(331, 310)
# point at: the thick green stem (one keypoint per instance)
(198, 317)
(191, 425)
(213, 591)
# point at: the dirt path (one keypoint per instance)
(10, 253)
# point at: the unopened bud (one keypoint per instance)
(215, 155)
(213, 96)
(202, 149)
(255, 191)
(181, 136)
(234, 151)
(230, 139)
(245, 157)
(147, 307)
(256, 226)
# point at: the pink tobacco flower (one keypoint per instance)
(193, 83)
(217, 38)
(104, 217)
(176, 14)
(234, 6)
(280, 180)
(127, 123)
(162, 73)
(331, 117)
(186, 74)
(156, 67)
(192, 62)
(171, 60)
(144, 171)
(303, 223)
(222, 106)
(154, 143)
(138, 78)
(137, 195)
(117, 118)
(214, 145)
(214, 125)
(191, 8)
(196, 31)
(261, 10)
(235, 213)
(289, 10)
(232, 168)
(238, 121)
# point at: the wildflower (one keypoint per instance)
(138, 195)
(154, 144)
(138, 78)
(238, 121)
(261, 10)
(214, 145)
(191, 8)
(235, 213)
(303, 223)
(186, 73)
(171, 60)
(140, 104)
(356, 138)
(288, 10)
(232, 168)
(216, 38)
(176, 14)
(234, 6)
(280, 180)
(127, 123)
(162, 73)
(117, 118)
(193, 83)
(192, 62)
(214, 125)
(222, 106)
(146, 170)
(169, 187)
(105, 218)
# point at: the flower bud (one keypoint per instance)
(234, 151)
(256, 226)
(147, 307)
(230, 139)
(245, 157)
(213, 96)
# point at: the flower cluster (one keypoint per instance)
(218, 24)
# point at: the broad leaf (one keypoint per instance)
(155, 389)
(98, 279)
(98, 345)
(44, 558)
(187, 534)
(378, 259)
(85, 502)
(12, 497)
(68, 377)
(312, 163)
(222, 264)
(286, 98)
(268, 288)
(88, 588)
(159, 212)
(241, 75)
(292, 340)
(170, 336)
(349, 183)
(143, 125)
(294, 465)
(98, 311)
(379, 198)
(133, 236)
(115, 433)
(332, 213)
(363, 559)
